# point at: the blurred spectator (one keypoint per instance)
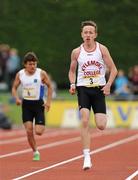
(4, 55)
(122, 85)
(5, 122)
(13, 65)
(133, 77)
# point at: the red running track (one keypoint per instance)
(114, 155)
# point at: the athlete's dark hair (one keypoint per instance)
(89, 23)
(30, 56)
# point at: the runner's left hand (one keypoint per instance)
(106, 90)
(47, 106)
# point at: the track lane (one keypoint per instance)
(50, 156)
(104, 172)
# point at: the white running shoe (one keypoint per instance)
(87, 163)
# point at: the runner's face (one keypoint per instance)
(88, 34)
(30, 66)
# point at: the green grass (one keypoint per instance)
(65, 95)
(10, 109)
(4, 97)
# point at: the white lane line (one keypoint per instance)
(132, 175)
(14, 132)
(57, 143)
(10, 141)
(71, 140)
(46, 135)
(50, 134)
(21, 131)
(109, 146)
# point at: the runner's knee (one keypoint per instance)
(101, 127)
(101, 124)
(101, 121)
(39, 133)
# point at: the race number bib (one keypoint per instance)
(92, 81)
(29, 93)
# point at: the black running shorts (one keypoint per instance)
(33, 109)
(91, 97)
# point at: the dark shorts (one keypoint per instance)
(91, 97)
(33, 109)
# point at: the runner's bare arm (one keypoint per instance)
(72, 70)
(16, 83)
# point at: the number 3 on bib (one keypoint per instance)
(91, 81)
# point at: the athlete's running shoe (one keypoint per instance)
(36, 156)
(87, 163)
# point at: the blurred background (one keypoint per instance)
(51, 28)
